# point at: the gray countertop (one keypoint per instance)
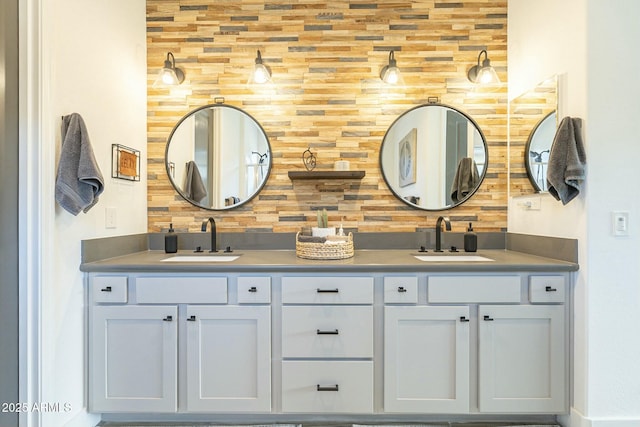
(390, 261)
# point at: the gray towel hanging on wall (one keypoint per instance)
(567, 161)
(79, 181)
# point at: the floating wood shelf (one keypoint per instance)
(326, 174)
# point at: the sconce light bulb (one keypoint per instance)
(169, 74)
(390, 73)
(261, 74)
(392, 76)
(169, 77)
(487, 75)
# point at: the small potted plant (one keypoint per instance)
(323, 229)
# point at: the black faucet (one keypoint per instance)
(213, 233)
(439, 230)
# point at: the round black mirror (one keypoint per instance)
(537, 151)
(433, 157)
(218, 157)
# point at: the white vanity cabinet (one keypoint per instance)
(512, 329)
(138, 341)
(330, 344)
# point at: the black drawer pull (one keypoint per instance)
(334, 332)
(328, 291)
(550, 289)
(191, 318)
(463, 319)
(253, 289)
(327, 388)
(487, 318)
(107, 289)
(168, 319)
(402, 289)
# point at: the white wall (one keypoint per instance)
(93, 63)
(587, 43)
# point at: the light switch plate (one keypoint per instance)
(110, 217)
(620, 222)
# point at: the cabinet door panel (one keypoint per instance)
(521, 359)
(228, 359)
(133, 359)
(426, 359)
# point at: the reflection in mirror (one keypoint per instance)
(537, 151)
(218, 157)
(433, 157)
(532, 126)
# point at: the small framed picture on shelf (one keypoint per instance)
(125, 163)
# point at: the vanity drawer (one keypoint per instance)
(254, 290)
(327, 290)
(546, 289)
(106, 289)
(474, 289)
(181, 290)
(327, 387)
(401, 290)
(327, 331)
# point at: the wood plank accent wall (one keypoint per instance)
(326, 94)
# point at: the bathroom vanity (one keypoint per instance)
(383, 334)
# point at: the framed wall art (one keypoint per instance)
(125, 163)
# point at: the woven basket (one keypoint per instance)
(336, 250)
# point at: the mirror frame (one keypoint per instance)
(179, 190)
(481, 178)
(527, 157)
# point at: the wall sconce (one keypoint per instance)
(170, 74)
(261, 73)
(390, 73)
(483, 74)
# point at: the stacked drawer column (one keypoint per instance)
(327, 344)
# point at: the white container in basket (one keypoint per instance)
(323, 232)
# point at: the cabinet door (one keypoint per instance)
(522, 359)
(426, 359)
(133, 359)
(228, 359)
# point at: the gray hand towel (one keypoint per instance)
(193, 186)
(465, 180)
(567, 160)
(79, 181)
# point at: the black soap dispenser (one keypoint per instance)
(470, 240)
(171, 241)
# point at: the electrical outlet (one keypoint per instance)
(620, 222)
(530, 203)
(110, 218)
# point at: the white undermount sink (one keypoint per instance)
(202, 258)
(452, 258)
